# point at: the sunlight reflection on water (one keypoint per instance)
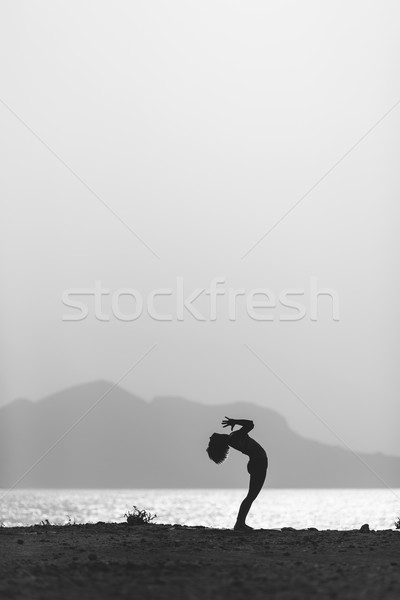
(324, 509)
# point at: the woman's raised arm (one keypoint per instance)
(245, 424)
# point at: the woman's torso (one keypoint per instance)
(245, 444)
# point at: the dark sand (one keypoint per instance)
(173, 562)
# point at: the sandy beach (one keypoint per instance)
(110, 560)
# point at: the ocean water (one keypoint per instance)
(274, 508)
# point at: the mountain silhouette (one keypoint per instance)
(63, 441)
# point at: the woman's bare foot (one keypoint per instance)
(242, 527)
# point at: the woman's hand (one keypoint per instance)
(229, 423)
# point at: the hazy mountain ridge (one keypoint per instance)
(124, 441)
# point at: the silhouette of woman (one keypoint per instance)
(218, 449)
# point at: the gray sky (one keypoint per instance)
(200, 124)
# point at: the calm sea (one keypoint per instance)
(324, 509)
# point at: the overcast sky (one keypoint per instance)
(144, 142)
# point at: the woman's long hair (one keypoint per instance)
(218, 447)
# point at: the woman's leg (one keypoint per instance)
(257, 478)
